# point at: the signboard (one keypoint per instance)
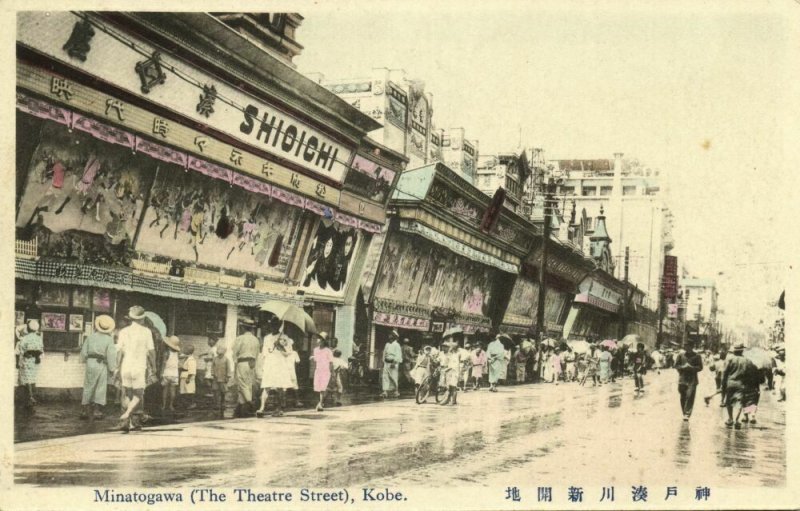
(252, 121)
(139, 120)
(672, 310)
(670, 282)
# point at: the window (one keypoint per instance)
(568, 190)
(589, 191)
(628, 190)
(588, 223)
(605, 190)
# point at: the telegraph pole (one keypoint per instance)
(625, 296)
(548, 206)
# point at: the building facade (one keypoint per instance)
(170, 162)
(637, 215)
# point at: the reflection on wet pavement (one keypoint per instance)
(563, 434)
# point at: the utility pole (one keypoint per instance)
(548, 207)
(624, 324)
(659, 338)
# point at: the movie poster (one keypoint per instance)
(330, 259)
(194, 218)
(76, 186)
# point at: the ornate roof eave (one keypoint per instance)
(446, 216)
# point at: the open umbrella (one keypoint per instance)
(610, 343)
(549, 342)
(759, 357)
(290, 313)
(578, 347)
(631, 340)
(157, 322)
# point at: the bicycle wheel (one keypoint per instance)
(423, 391)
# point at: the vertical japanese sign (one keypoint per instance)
(670, 279)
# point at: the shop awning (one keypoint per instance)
(126, 279)
(459, 248)
(596, 302)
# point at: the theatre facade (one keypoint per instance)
(174, 164)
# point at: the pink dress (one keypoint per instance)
(478, 363)
(322, 372)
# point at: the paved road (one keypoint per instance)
(562, 435)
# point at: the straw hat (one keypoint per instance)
(136, 312)
(104, 324)
(393, 334)
(739, 346)
(173, 342)
(33, 325)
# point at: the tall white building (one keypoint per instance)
(509, 171)
(701, 300)
(637, 216)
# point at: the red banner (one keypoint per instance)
(670, 279)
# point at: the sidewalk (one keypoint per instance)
(57, 419)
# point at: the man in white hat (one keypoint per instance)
(450, 369)
(30, 349)
(392, 358)
(100, 356)
(244, 353)
(135, 357)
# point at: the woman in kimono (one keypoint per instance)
(497, 360)
(30, 349)
(604, 365)
(100, 356)
(555, 365)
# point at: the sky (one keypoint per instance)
(703, 91)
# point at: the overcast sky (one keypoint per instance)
(700, 93)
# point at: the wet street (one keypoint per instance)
(559, 435)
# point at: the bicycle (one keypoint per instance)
(357, 370)
(431, 383)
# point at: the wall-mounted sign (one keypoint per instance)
(252, 120)
(139, 120)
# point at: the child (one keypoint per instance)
(221, 370)
(169, 373)
(188, 375)
(339, 366)
(208, 358)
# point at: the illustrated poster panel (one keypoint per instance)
(418, 271)
(78, 185)
(195, 218)
(523, 297)
(405, 267)
(330, 259)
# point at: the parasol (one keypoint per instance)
(453, 330)
(578, 347)
(631, 340)
(549, 342)
(290, 313)
(759, 356)
(609, 343)
(157, 322)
